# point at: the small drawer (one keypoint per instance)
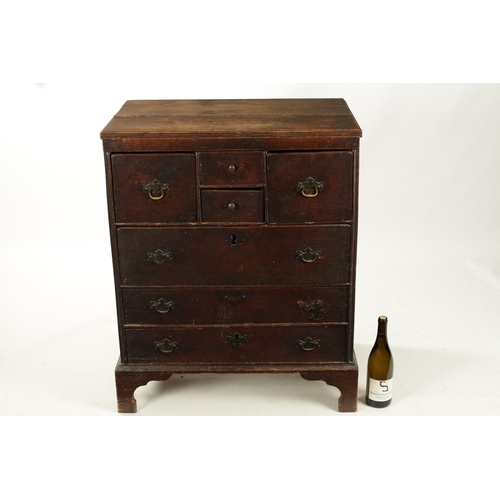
(232, 205)
(310, 187)
(223, 305)
(232, 169)
(154, 187)
(250, 344)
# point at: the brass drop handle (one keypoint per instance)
(162, 306)
(237, 339)
(159, 256)
(314, 308)
(156, 190)
(310, 188)
(166, 346)
(308, 255)
(308, 344)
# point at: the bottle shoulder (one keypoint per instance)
(380, 364)
(381, 350)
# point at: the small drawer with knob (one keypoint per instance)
(232, 205)
(231, 169)
(233, 344)
(310, 186)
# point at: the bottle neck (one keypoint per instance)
(382, 333)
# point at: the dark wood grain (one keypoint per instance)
(232, 169)
(232, 205)
(214, 269)
(245, 305)
(262, 344)
(259, 255)
(206, 142)
(131, 173)
(344, 376)
(333, 203)
(232, 107)
(237, 117)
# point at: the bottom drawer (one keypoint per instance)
(245, 344)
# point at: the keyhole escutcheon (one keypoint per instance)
(234, 239)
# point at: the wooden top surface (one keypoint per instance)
(233, 118)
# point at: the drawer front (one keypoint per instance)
(154, 187)
(232, 205)
(223, 305)
(235, 255)
(232, 168)
(249, 344)
(310, 187)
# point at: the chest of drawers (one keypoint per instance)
(233, 232)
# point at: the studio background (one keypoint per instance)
(428, 255)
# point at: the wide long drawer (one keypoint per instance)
(236, 255)
(224, 305)
(247, 344)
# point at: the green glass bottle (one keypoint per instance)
(380, 369)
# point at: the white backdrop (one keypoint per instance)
(428, 258)
(428, 253)
(428, 250)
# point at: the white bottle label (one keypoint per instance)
(380, 390)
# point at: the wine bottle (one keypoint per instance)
(380, 369)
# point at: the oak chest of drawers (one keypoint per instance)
(233, 230)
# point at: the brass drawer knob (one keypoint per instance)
(166, 346)
(308, 344)
(162, 306)
(156, 190)
(308, 255)
(310, 188)
(231, 206)
(231, 168)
